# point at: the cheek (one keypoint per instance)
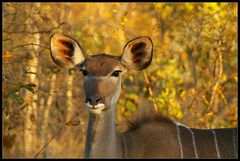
(86, 85)
(89, 86)
(109, 88)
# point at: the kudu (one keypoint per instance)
(147, 137)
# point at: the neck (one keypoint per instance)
(102, 139)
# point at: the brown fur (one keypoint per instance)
(105, 62)
(146, 117)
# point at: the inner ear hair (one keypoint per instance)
(138, 46)
(69, 47)
(138, 51)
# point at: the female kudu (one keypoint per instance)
(147, 137)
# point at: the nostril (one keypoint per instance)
(88, 100)
(99, 100)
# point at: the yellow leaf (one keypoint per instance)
(192, 91)
(235, 78)
(7, 55)
(159, 74)
(182, 94)
(122, 109)
(127, 114)
(144, 89)
(205, 99)
(209, 114)
(224, 77)
(130, 78)
(223, 98)
(114, 11)
(152, 78)
(189, 6)
(133, 96)
(179, 115)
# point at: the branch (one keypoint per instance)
(208, 17)
(218, 71)
(58, 132)
(215, 85)
(35, 32)
(19, 46)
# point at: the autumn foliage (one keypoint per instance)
(193, 77)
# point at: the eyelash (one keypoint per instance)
(116, 73)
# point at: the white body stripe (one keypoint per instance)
(216, 143)
(179, 140)
(193, 138)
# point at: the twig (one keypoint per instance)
(59, 130)
(193, 64)
(215, 85)
(208, 17)
(150, 90)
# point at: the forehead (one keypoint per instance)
(102, 64)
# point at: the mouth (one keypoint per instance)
(97, 109)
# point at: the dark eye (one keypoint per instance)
(84, 72)
(116, 73)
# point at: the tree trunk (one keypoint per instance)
(31, 110)
(30, 98)
(45, 136)
(69, 96)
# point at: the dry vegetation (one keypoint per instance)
(193, 77)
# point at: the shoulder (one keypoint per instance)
(146, 119)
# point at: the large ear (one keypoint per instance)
(65, 51)
(137, 53)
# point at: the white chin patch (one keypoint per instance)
(96, 109)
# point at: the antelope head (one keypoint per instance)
(102, 73)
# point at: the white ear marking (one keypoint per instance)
(65, 51)
(137, 53)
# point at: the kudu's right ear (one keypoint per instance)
(137, 53)
(65, 51)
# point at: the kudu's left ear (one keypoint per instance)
(137, 53)
(65, 51)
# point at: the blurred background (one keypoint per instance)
(193, 77)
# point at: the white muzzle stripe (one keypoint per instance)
(97, 108)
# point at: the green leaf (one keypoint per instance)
(29, 87)
(16, 98)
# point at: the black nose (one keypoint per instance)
(93, 100)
